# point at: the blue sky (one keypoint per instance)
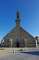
(29, 13)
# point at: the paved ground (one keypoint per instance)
(19, 56)
(7, 54)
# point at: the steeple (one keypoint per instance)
(17, 14)
(17, 19)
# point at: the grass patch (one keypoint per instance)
(20, 49)
(1, 48)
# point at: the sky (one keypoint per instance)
(29, 16)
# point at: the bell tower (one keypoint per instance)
(17, 19)
(17, 29)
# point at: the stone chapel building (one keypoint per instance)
(18, 37)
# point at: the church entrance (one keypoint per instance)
(17, 44)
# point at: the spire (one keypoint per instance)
(17, 14)
(17, 19)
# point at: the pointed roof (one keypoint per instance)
(13, 31)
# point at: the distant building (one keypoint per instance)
(18, 37)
